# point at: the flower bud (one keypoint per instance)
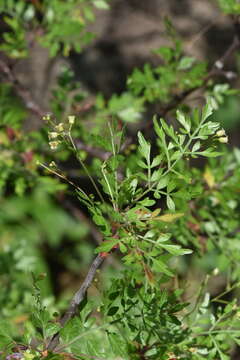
(220, 133)
(53, 135)
(59, 127)
(223, 140)
(46, 117)
(53, 144)
(71, 119)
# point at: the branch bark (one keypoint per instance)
(77, 299)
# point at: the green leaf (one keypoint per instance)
(101, 4)
(156, 175)
(144, 147)
(156, 161)
(162, 183)
(147, 202)
(20, 186)
(107, 245)
(169, 130)
(170, 203)
(196, 146)
(159, 131)
(207, 111)
(113, 310)
(52, 329)
(165, 52)
(175, 249)
(142, 164)
(230, 6)
(163, 237)
(209, 153)
(160, 266)
(185, 63)
(182, 119)
(122, 248)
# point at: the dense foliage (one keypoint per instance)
(155, 200)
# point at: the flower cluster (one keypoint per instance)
(222, 138)
(59, 130)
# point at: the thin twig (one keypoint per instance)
(21, 91)
(77, 299)
(202, 32)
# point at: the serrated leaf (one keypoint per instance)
(181, 139)
(156, 161)
(162, 183)
(142, 164)
(196, 146)
(182, 119)
(207, 111)
(169, 130)
(156, 175)
(159, 131)
(144, 147)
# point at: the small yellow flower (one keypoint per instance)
(53, 144)
(220, 133)
(52, 164)
(71, 119)
(223, 140)
(59, 127)
(53, 135)
(47, 117)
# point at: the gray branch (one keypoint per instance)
(76, 300)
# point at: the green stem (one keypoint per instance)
(115, 172)
(84, 167)
(109, 187)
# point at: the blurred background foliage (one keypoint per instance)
(100, 60)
